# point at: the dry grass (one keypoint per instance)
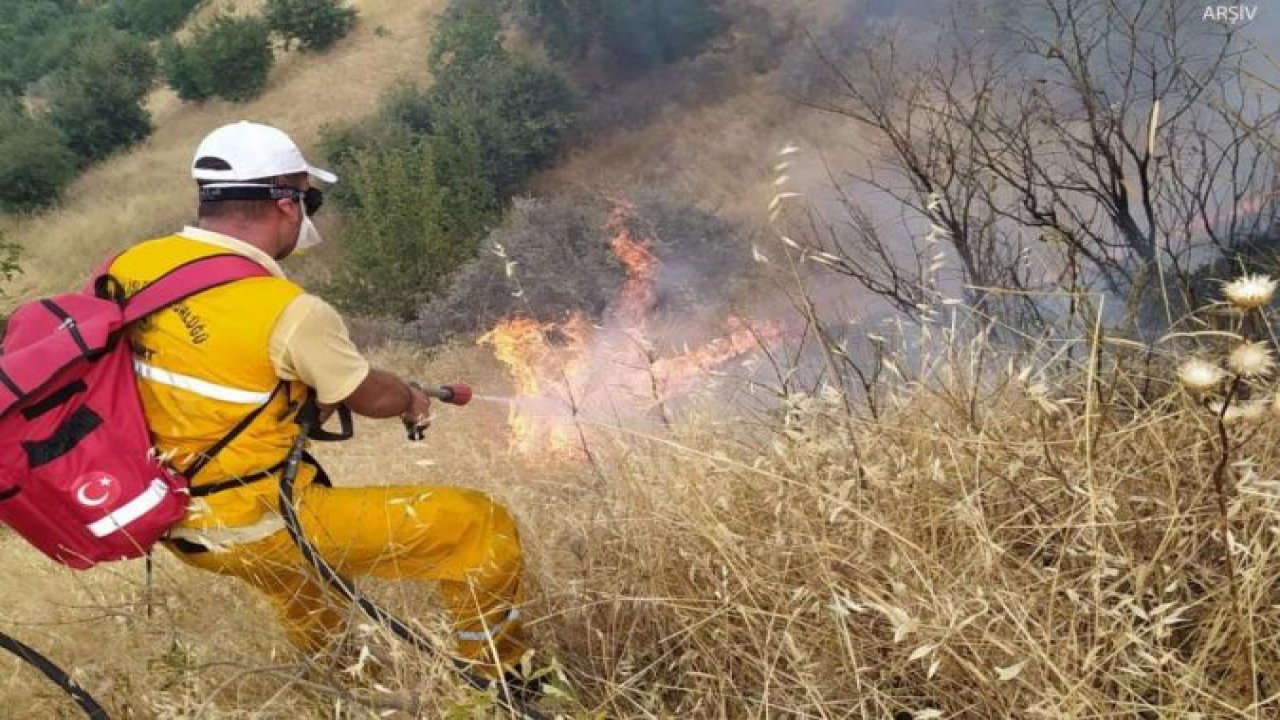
(993, 544)
(996, 544)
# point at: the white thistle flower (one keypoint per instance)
(1200, 375)
(1251, 359)
(1250, 291)
(1251, 413)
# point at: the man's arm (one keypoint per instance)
(382, 395)
(310, 343)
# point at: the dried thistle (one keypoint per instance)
(1200, 375)
(1250, 291)
(1251, 359)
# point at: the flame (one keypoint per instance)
(522, 345)
(639, 291)
(565, 372)
(675, 374)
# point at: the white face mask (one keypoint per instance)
(308, 235)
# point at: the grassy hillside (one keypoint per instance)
(1055, 531)
(147, 191)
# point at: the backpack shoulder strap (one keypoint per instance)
(189, 279)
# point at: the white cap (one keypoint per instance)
(253, 151)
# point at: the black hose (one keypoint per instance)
(59, 676)
(347, 589)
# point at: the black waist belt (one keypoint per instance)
(206, 490)
(190, 548)
(241, 481)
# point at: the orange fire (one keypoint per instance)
(540, 372)
(608, 371)
(677, 374)
(639, 292)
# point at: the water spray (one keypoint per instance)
(500, 399)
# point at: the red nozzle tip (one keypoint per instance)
(458, 394)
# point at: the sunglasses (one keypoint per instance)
(312, 199)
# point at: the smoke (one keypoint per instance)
(552, 257)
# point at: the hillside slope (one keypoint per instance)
(146, 190)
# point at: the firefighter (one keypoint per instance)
(222, 376)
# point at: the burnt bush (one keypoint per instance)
(560, 260)
(697, 248)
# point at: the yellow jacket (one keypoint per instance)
(203, 365)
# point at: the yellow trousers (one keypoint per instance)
(454, 536)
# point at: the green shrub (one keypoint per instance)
(410, 107)
(469, 33)
(314, 24)
(9, 254)
(522, 111)
(35, 164)
(150, 18)
(568, 26)
(640, 35)
(418, 215)
(180, 72)
(424, 178)
(230, 58)
(40, 37)
(405, 115)
(632, 35)
(343, 145)
(97, 95)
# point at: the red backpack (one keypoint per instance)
(78, 476)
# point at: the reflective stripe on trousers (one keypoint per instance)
(491, 632)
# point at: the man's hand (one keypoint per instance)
(418, 417)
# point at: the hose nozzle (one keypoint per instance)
(458, 394)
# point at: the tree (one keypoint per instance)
(641, 35)
(631, 35)
(35, 163)
(1041, 162)
(468, 34)
(97, 95)
(9, 256)
(568, 28)
(314, 24)
(522, 111)
(150, 18)
(424, 179)
(35, 37)
(180, 72)
(230, 58)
